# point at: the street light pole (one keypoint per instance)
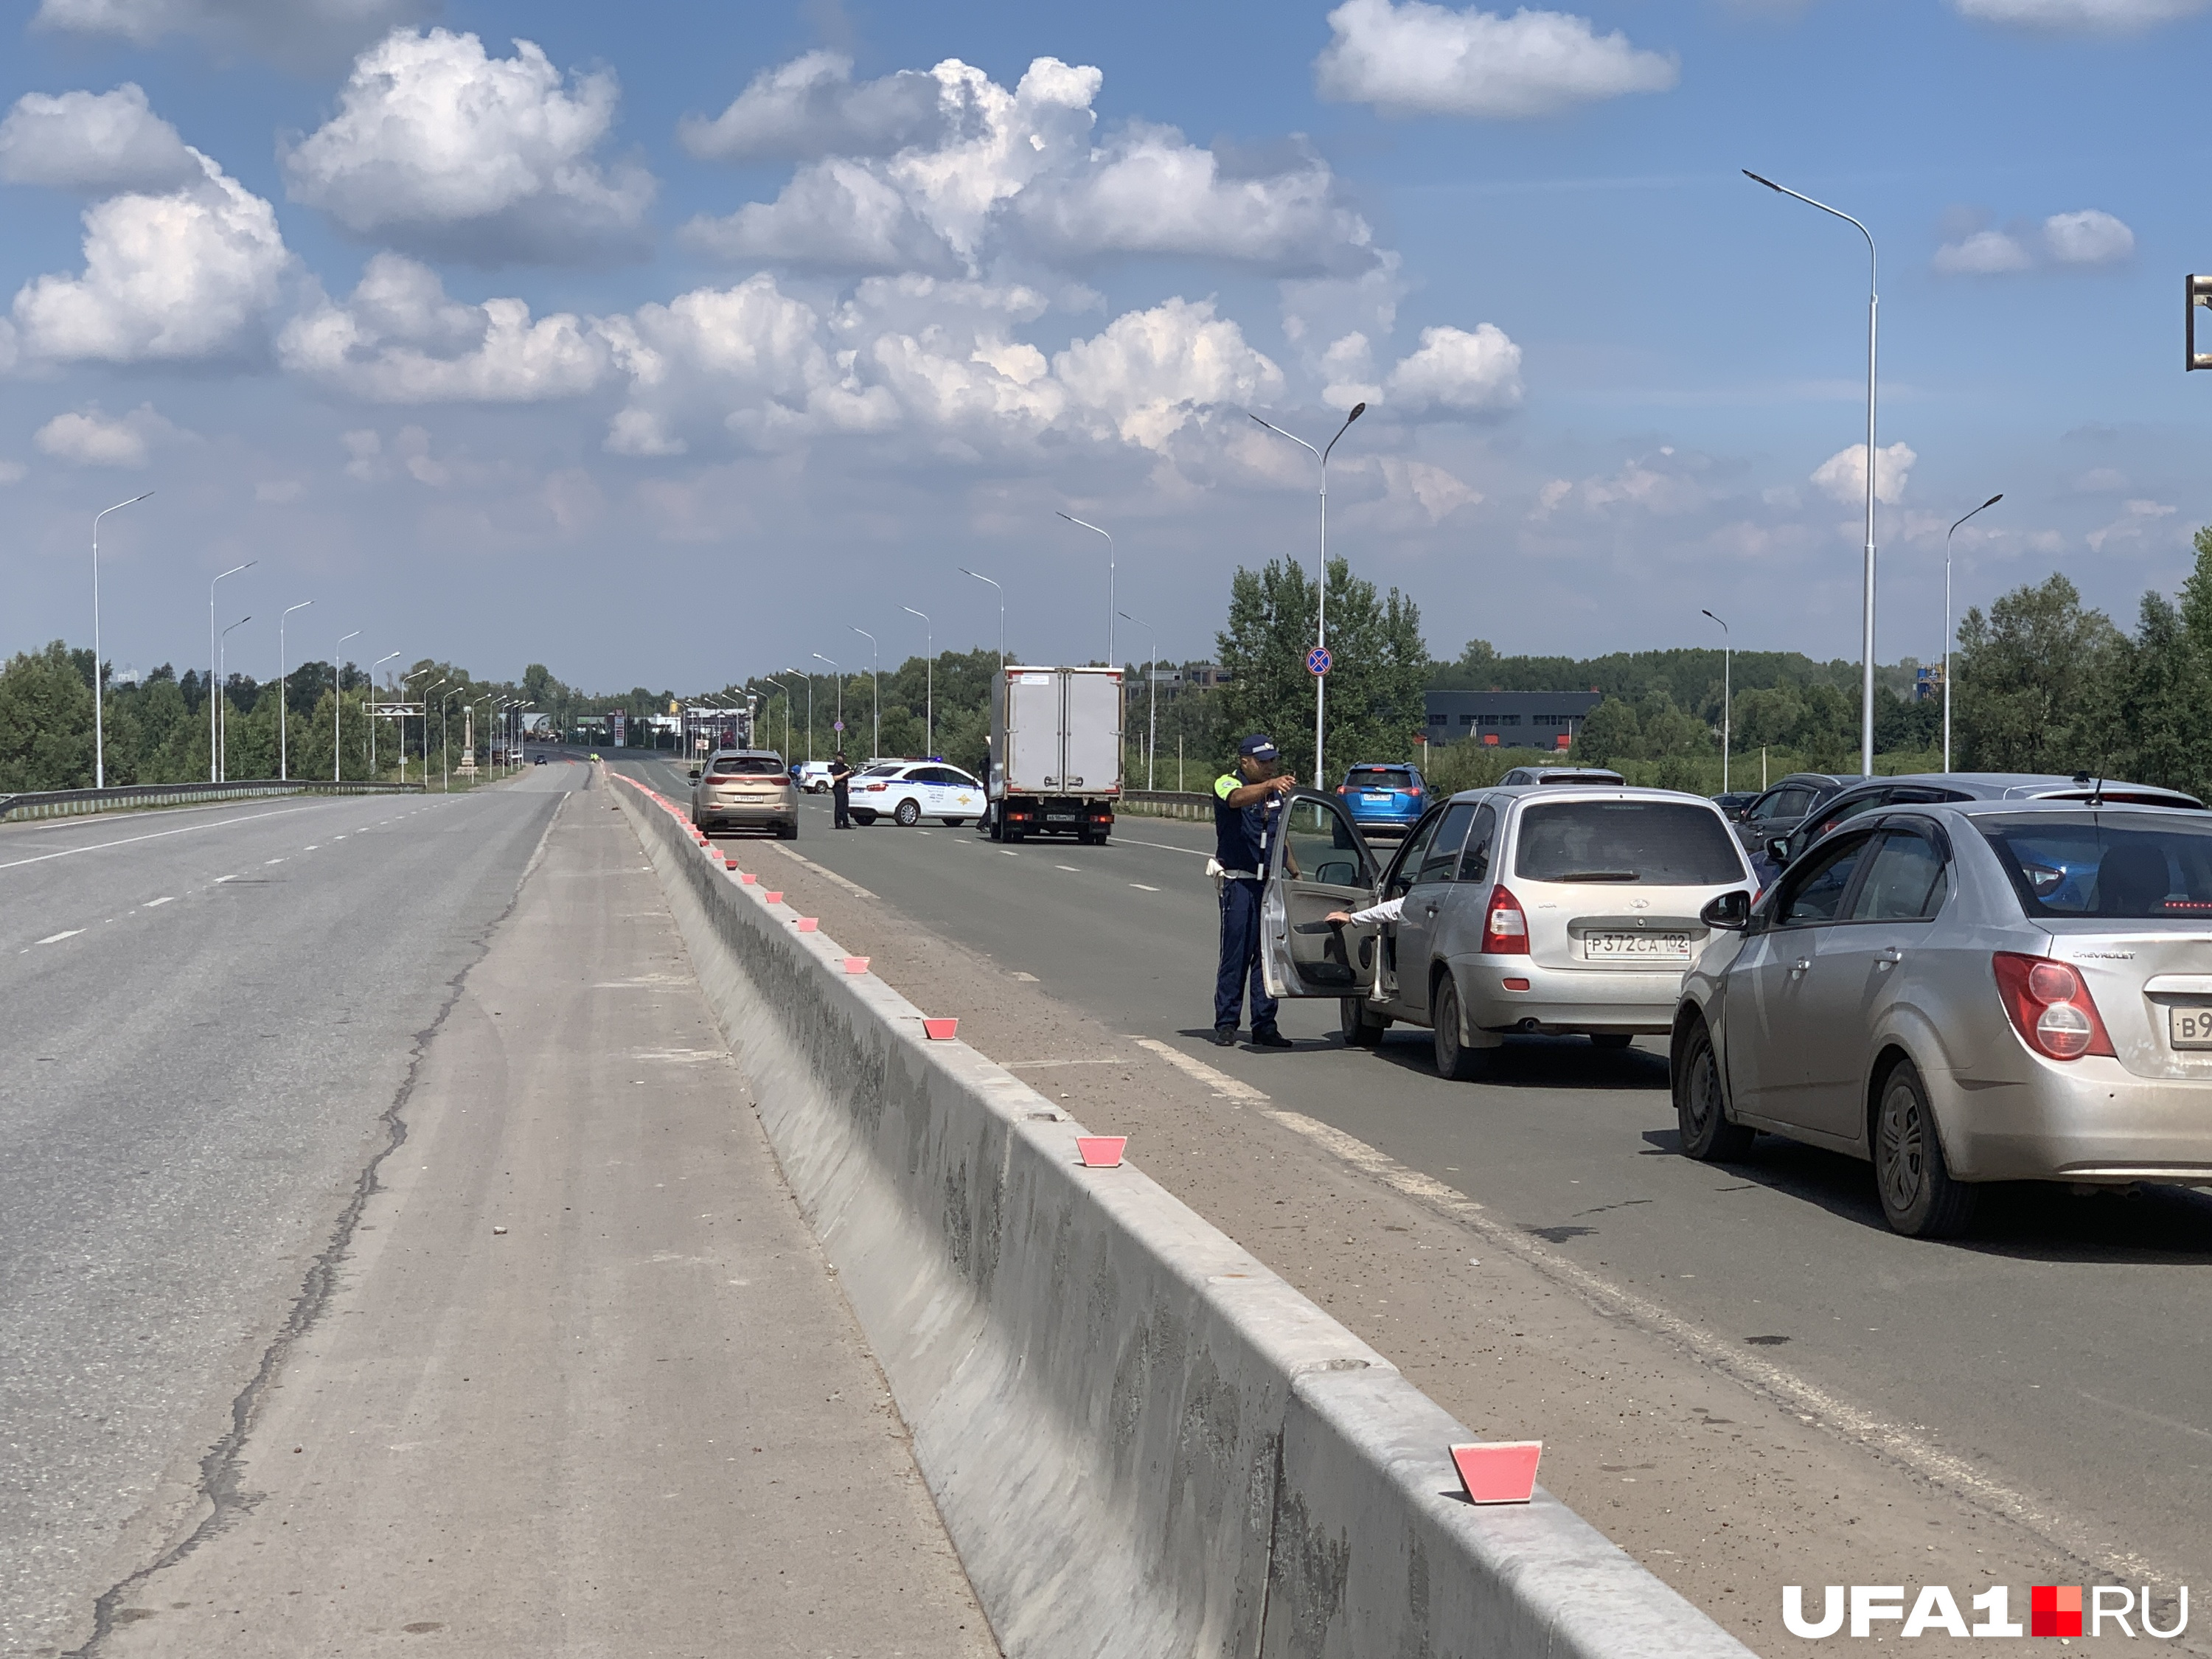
(372, 667)
(426, 690)
(965, 571)
(283, 722)
(928, 679)
(838, 675)
(1151, 692)
(337, 703)
(876, 680)
(214, 731)
(222, 731)
(99, 679)
(1321, 615)
(810, 713)
(445, 738)
(1112, 661)
(1866, 619)
(1948, 534)
(1727, 698)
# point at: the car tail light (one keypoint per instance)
(1343, 789)
(1415, 791)
(2051, 1007)
(872, 789)
(1504, 928)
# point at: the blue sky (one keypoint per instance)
(680, 340)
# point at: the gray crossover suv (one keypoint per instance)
(1965, 992)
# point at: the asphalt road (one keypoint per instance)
(2059, 1355)
(211, 1012)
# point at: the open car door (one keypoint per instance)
(1318, 863)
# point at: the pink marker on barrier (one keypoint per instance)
(773, 898)
(856, 964)
(1499, 1471)
(747, 877)
(1101, 1151)
(808, 924)
(939, 1030)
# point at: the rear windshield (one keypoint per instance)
(748, 766)
(1377, 777)
(1657, 843)
(2129, 867)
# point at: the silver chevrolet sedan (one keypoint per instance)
(1966, 993)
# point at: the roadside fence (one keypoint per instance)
(71, 803)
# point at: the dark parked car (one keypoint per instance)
(1923, 788)
(1385, 798)
(1734, 801)
(1777, 811)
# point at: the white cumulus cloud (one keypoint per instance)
(98, 142)
(1416, 58)
(1151, 371)
(2080, 16)
(1984, 254)
(398, 339)
(87, 438)
(2087, 238)
(1458, 373)
(2080, 240)
(438, 148)
(1016, 171)
(302, 32)
(810, 107)
(188, 275)
(1842, 475)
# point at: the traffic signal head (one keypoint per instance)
(2198, 292)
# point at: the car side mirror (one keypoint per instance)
(1777, 849)
(1730, 912)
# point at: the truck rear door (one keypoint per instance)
(1091, 749)
(1030, 764)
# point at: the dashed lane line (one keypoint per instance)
(1141, 888)
(55, 938)
(1227, 1087)
(158, 835)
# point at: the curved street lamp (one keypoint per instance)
(1948, 534)
(1873, 460)
(965, 571)
(876, 680)
(1151, 692)
(337, 703)
(222, 730)
(1111, 661)
(99, 679)
(1728, 699)
(215, 736)
(1321, 616)
(928, 679)
(283, 701)
(372, 667)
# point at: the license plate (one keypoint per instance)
(1061, 817)
(2190, 1028)
(1376, 801)
(1655, 947)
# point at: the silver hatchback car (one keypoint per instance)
(744, 789)
(1559, 909)
(1966, 993)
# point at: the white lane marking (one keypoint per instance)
(924, 832)
(852, 887)
(1009, 851)
(265, 863)
(1808, 1400)
(1049, 1065)
(55, 938)
(1141, 888)
(219, 880)
(169, 898)
(1069, 868)
(1220, 1082)
(309, 849)
(158, 835)
(1161, 845)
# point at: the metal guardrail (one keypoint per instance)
(1167, 803)
(71, 803)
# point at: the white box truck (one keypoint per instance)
(1055, 753)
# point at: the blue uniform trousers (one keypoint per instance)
(1240, 960)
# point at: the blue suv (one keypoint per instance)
(1387, 795)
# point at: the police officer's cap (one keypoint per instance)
(1258, 746)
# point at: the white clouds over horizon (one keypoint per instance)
(2080, 240)
(438, 148)
(302, 34)
(995, 174)
(97, 143)
(87, 438)
(1416, 58)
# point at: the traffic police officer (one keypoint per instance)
(1246, 804)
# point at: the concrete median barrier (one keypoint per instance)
(1142, 1441)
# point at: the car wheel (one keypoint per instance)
(1362, 1028)
(907, 814)
(864, 818)
(954, 824)
(1455, 1061)
(1918, 1195)
(787, 831)
(1611, 1039)
(1707, 1134)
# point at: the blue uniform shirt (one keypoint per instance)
(1241, 834)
